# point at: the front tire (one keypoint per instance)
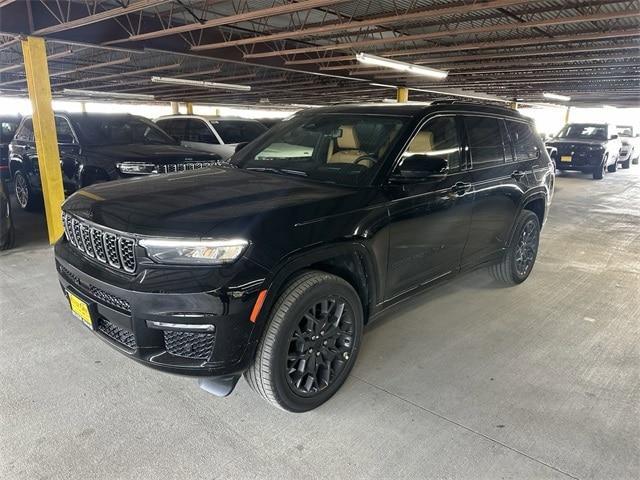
(613, 167)
(24, 193)
(626, 164)
(598, 171)
(310, 343)
(518, 261)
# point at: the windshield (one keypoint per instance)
(238, 131)
(625, 131)
(121, 130)
(583, 131)
(337, 148)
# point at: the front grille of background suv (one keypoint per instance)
(106, 247)
(182, 167)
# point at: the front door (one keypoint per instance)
(429, 219)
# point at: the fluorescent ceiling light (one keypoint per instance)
(383, 85)
(555, 96)
(200, 83)
(100, 94)
(402, 66)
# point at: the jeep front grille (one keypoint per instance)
(106, 247)
(182, 167)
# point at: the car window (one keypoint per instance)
(625, 131)
(438, 138)
(524, 140)
(485, 141)
(63, 131)
(584, 131)
(238, 131)
(103, 130)
(176, 127)
(198, 131)
(25, 133)
(7, 130)
(324, 147)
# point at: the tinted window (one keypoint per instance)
(7, 130)
(485, 141)
(584, 131)
(102, 130)
(437, 138)
(176, 127)
(198, 131)
(524, 140)
(25, 133)
(63, 130)
(324, 147)
(238, 131)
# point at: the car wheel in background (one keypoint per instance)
(24, 192)
(521, 255)
(613, 167)
(626, 164)
(310, 342)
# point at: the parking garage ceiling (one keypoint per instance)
(303, 52)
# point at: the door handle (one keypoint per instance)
(460, 188)
(517, 174)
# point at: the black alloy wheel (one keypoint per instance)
(310, 343)
(527, 248)
(320, 346)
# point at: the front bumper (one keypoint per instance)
(122, 317)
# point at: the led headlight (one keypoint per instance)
(194, 252)
(135, 168)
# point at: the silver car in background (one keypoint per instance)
(219, 135)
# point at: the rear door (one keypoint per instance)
(23, 147)
(429, 220)
(498, 187)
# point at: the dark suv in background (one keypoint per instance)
(272, 266)
(95, 148)
(589, 148)
(8, 127)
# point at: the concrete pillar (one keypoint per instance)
(175, 108)
(83, 107)
(44, 128)
(189, 108)
(567, 114)
(513, 105)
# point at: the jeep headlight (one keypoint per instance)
(194, 251)
(137, 168)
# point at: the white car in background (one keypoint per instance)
(211, 134)
(630, 149)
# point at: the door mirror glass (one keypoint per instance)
(421, 166)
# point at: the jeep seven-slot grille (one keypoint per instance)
(182, 167)
(106, 247)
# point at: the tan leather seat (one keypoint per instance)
(348, 148)
(421, 143)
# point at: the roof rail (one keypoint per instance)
(494, 103)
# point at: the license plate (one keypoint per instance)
(80, 309)
(566, 158)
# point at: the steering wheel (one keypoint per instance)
(365, 158)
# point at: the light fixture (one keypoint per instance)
(200, 83)
(383, 85)
(100, 94)
(402, 66)
(555, 96)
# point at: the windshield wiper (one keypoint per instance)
(285, 171)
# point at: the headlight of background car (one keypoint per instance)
(596, 148)
(194, 252)
(134, 168)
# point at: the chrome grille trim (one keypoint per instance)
(182, 167)
(113, 249)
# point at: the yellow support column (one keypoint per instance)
(44, 127)
(402, 95)
(513, 105)
(189, 108)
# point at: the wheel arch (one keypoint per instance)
(535, 201)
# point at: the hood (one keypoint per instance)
(574, 141)
(149, 152)
(214, 201)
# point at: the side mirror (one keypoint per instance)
(421, 167)
(240, 146)
(614, 137)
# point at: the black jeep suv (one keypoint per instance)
(95, 148)
(590, 148)
(272, 265)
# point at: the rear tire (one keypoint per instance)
(626, 164)
(297, 368)
(520, 257)
(25, 195)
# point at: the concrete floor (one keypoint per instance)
(468, 381)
